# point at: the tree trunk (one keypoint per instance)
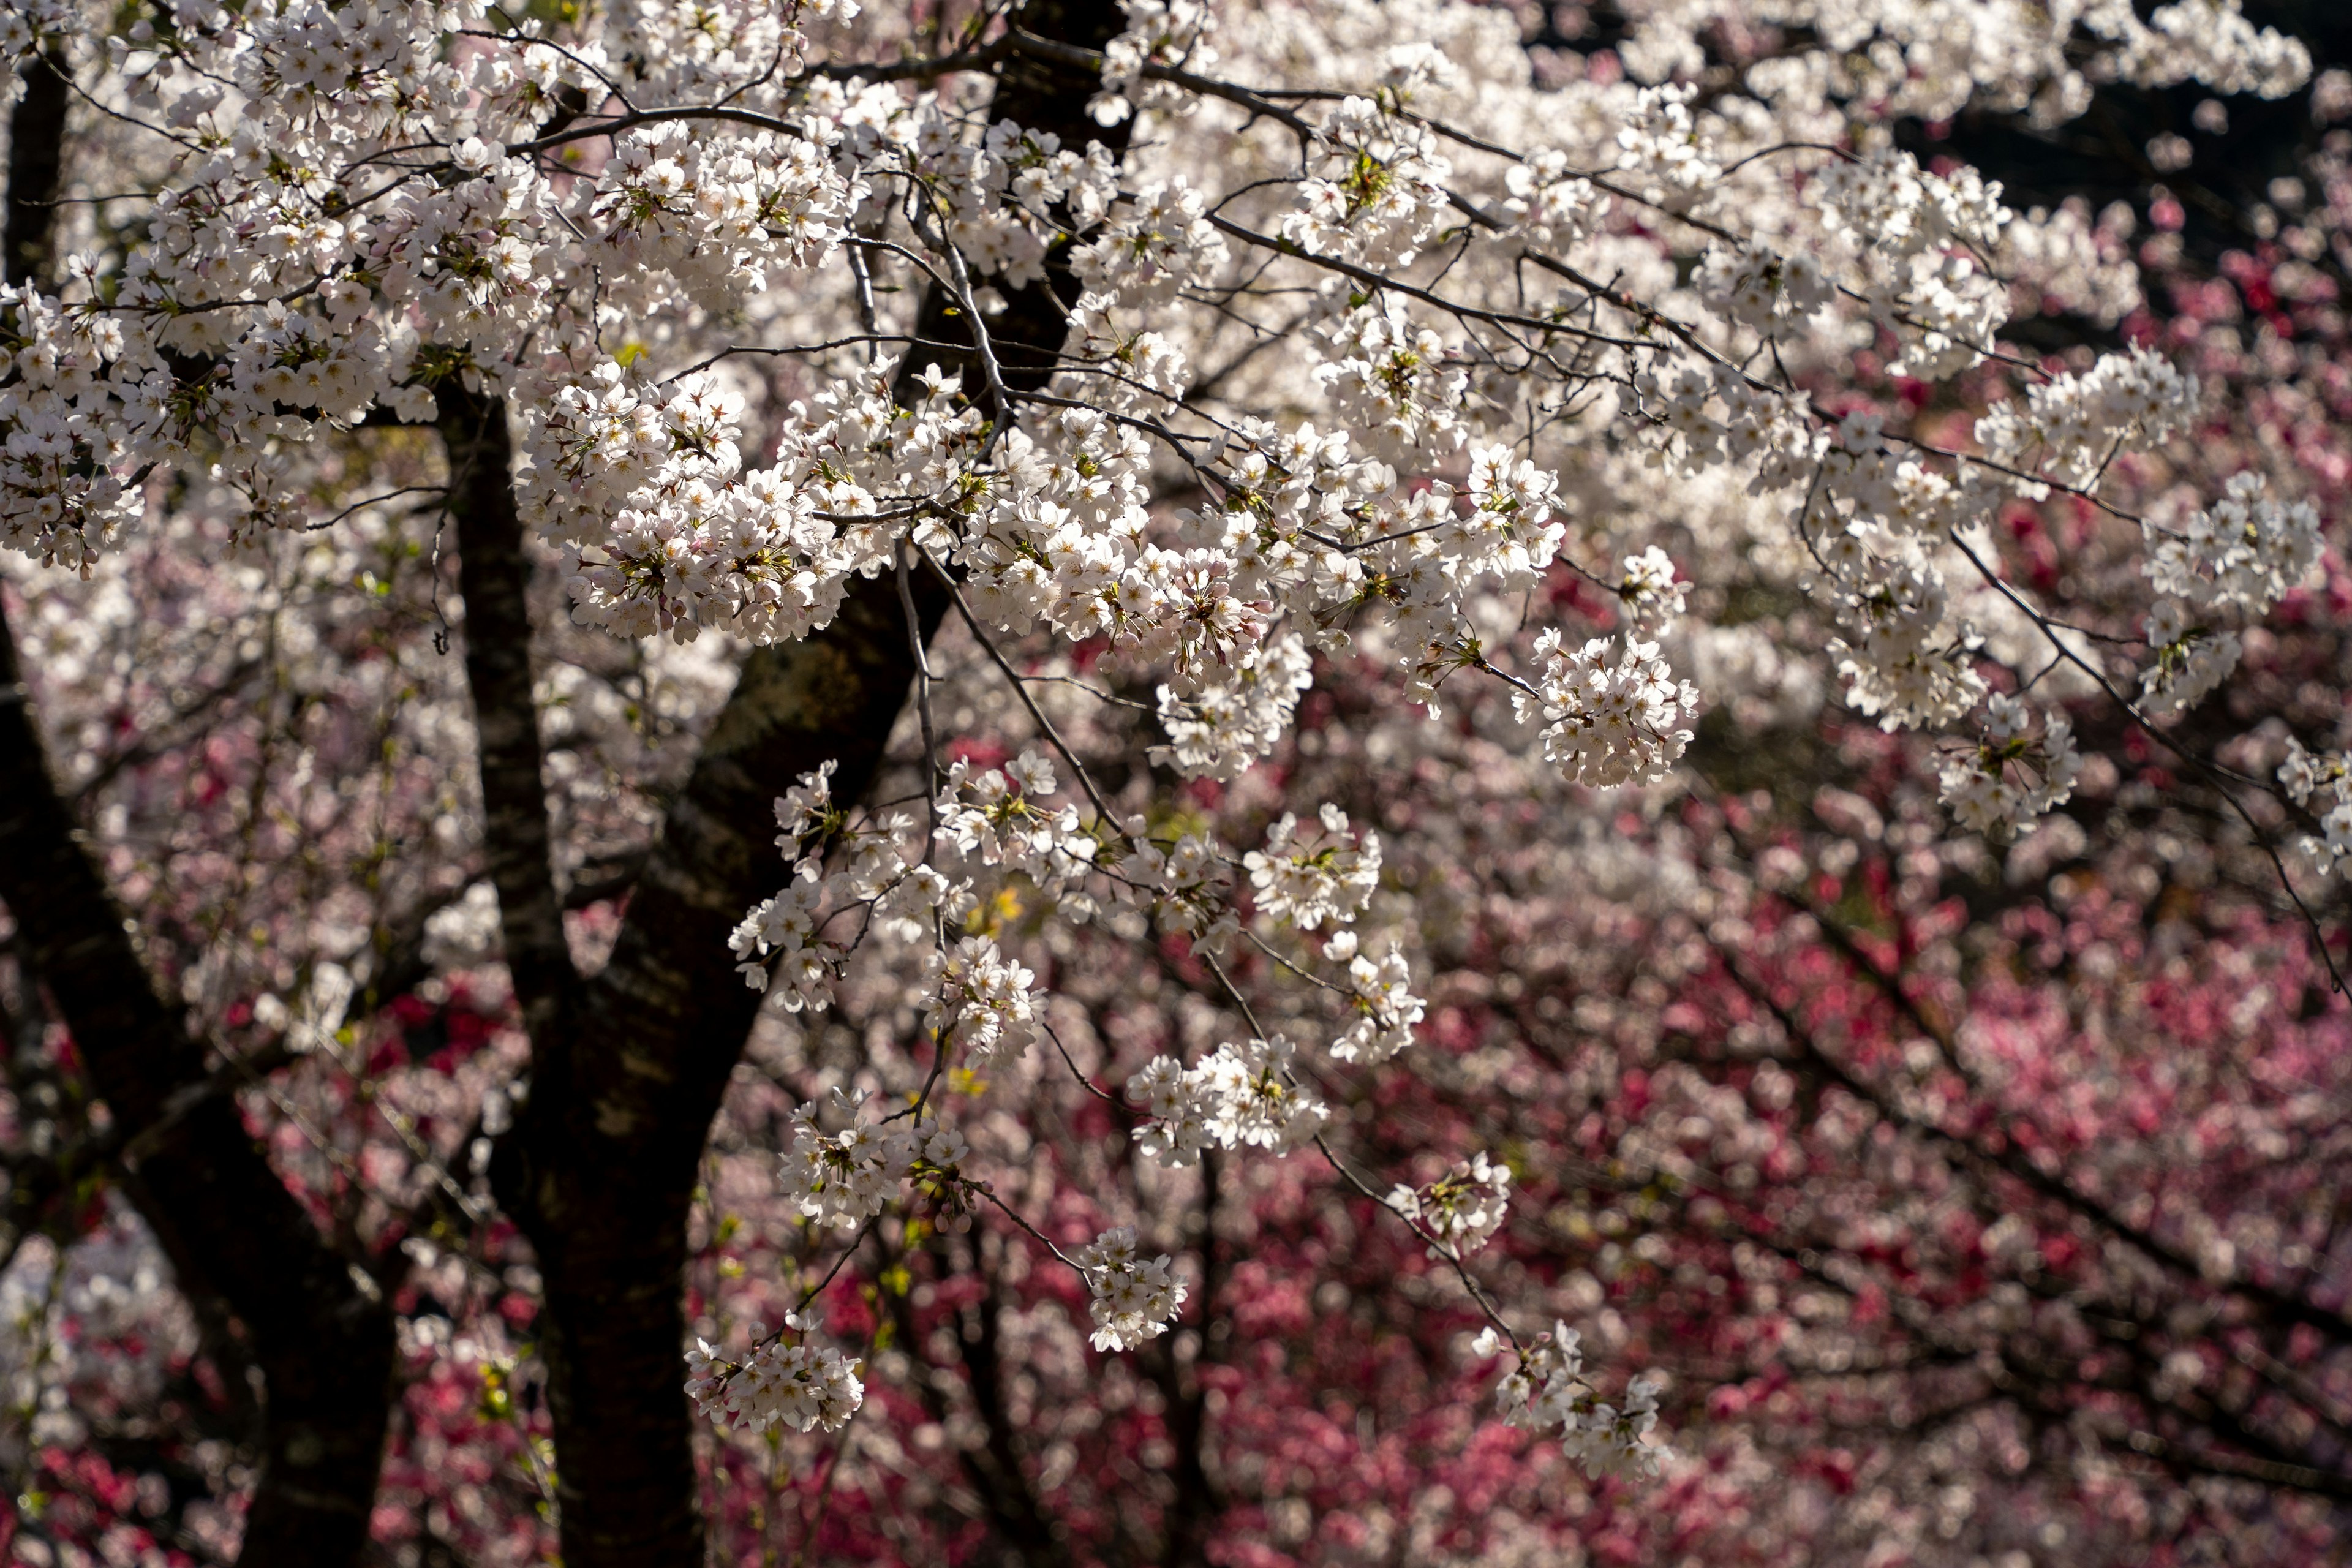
(494, 576)
(242, 1249)
(600, 1165)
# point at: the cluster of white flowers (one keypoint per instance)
(1240, 1094)
(1761, 289)
(1927, 61)
(2192, 658)
(1460, 1210)
(361, 209)
(1508, 535)
(788, 924)
(61, 499)
(1189, 879)
(1394, 380)
(2071, 427)
(2244, 554)
(1172, 33)
(2078, 262)
(2012, 777)
(981, 1001)
(2238, 559)
(878, 864)
(1905, 656)
(25, 28)
(467, 257)
(1614, 714)
(1921, 235)
(1314, 879)
(664, 532)
(2209, 41)
(1550, 202)
(1223, 726)
(722, 216)
(997, 818)
(1374, 191)
(1650, 596)
(843, 1179)
(1546, 1392)
(777, 940)
(2321, 784)
(1134, 1301)
(1662, 147)
(1154, 242)
(754, 35)
(1003, 193)
(775, 1384)
(1381, 990)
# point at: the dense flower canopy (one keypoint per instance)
(1593, 743)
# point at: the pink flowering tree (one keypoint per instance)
(1089, 784)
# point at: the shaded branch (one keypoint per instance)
(494, 575)
(241, 1247)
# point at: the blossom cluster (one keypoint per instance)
(998, 818)
(775, 1384)
(1547, 1392)
(843, 1179)
(1134, 1300)
(1314, 879)
(1462, 1208)
(981, 1001)
(1381, 995)
(2244, 554)
(1240, 1094)
(1614, 713)
(2321, 784)
(2012, 777)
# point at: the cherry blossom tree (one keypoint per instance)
(1089, 783)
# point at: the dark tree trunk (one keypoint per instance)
(37, 138)
(494, 576)
(241, 1247)
(602, 1163)
(604, 1157)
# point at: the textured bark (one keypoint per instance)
(240, 1246)
(604, 1157)
(1198, 1501)
(494, 576)
(602, 1162)
(36, 137)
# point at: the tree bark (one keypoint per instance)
(494, 576)
(36, 137)
(240, 1246)
(602, 1161)
(601, 1166)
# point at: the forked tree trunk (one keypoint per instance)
(600, 1165)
